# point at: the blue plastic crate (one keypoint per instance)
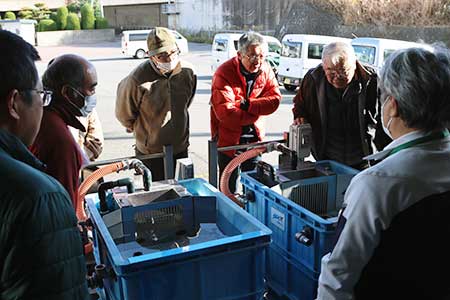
(286, 219)
(230, 266)
(289, 279)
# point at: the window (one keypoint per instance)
(365, 54)
(315, 51)
(291, 49)
(387, 53)
(274, 47)
(220, 45)
(138, 37)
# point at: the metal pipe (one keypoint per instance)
(212, 162)
(168, 162)
(103, 187)
(249, 146)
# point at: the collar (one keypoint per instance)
(399, 142)
(66, 113)
(10, 144)
(248, 76)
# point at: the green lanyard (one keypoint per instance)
(431, 137)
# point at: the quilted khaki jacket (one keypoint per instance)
(155, 106)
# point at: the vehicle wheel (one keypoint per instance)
(290, 87)
(140, 54)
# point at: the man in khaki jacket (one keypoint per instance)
(153, 101)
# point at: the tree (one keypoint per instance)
(73, 22)
(87, 17)
(101, 23)
(9, 15)
(38, 12)
(62, 13)
(26, 13)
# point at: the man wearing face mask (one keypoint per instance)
(73, 80)
(388, 238)
(153, 101)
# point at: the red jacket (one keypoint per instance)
(227, 91)
(56, 147)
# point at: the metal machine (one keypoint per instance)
(316, 186)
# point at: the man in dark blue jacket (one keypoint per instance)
(40, 245)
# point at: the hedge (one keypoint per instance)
(54, 17)
(62, 13)
(9, 15)
(73, 22)
(47, 25)
(101, 23)
(87, 17)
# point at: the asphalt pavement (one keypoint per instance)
(112, 66)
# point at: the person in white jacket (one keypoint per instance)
(391, 232)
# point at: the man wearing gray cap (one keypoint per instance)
(153, 101)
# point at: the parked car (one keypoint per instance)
(225, 46)
(374, 51)
(299, 53)
(273, 57)
(134, 42)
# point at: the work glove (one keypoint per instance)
(94, 146)
(244, 104)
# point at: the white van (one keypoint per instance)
(134, 43)
(226, 45)
(374, 51)
(299, 53)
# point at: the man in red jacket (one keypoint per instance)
(244, 89)
(73, 80)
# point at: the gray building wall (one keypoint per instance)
(135, 16)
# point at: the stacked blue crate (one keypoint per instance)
(228, 266)
(292, 267)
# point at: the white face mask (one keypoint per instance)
(89, 104)
(165, 67)
(386, 128)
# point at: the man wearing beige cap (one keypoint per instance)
(153, 101)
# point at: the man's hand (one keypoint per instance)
(95, 146)
(299, 121)
(244, 104)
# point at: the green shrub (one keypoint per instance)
(26, 13)
(73, 22)
(9, 15)
(54, 17)
(62, 13)
(47, 25)
(87, 17)
(101, 23)
(73, 7)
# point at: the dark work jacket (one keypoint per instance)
(40, 245)
(311, 100)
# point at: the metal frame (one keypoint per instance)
(213, 151)
(167, 155)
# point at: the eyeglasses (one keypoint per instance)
(253, 58)
(165, 55)
(45, 95)
(343, 73)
